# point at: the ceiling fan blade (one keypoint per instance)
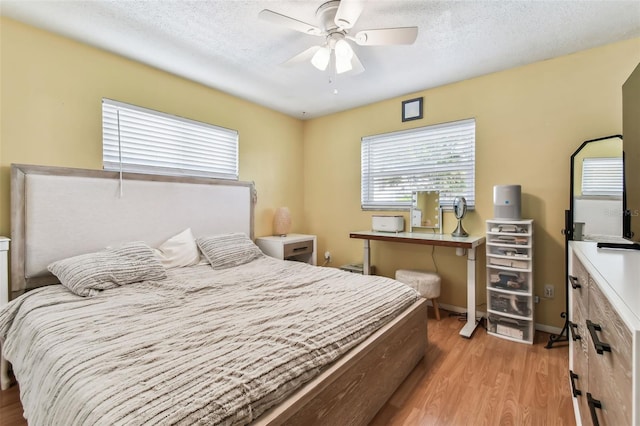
(348, 13)
(386, 36)
(287, 21)
(303, 56)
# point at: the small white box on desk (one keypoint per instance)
(387, 223)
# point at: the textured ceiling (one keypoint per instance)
(223, 44)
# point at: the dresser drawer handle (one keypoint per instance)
(575, 284)
(573, 376)
(593, 404)
(600, 347)
(572, 330)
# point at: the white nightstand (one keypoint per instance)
(4, 299)
(299, 247)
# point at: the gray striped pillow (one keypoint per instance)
(88, 274)
(227, 250)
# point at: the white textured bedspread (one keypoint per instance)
(202, 347)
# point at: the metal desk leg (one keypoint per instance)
(366, 265)
(470, 326)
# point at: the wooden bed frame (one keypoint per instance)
(355, 387)
(49, 205)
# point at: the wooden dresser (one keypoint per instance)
(604, 349)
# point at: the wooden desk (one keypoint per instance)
(469, 243)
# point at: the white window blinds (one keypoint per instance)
(439, 157)
(602, 177)
(146, 141)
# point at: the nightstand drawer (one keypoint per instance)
(298, 248)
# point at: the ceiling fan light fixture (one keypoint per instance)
(321, 58)
(343, 64)
(344, 54)
(343, 49)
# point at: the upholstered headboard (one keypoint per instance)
(60, 212)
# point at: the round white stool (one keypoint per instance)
(425, 283)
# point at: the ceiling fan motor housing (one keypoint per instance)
(326, 14)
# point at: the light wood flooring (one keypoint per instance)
(484, 380)
(479, 381)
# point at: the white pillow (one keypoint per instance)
(179, 250)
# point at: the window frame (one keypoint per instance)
(446, 140)
(141, 140)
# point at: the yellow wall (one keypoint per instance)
(51, 90)
(529, 120)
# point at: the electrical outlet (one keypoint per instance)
(327, 256)
(536, 299)
(549, 291)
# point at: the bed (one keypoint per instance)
(196, 346)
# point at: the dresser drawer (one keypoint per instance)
(580, 356)
(579, 283)
(610, 372)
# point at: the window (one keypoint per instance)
(602, 177)
(437, 158)
(146, 141)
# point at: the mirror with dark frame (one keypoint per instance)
(595, 202)
(596, 186)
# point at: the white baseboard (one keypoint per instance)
(548, 328)
(457, 309)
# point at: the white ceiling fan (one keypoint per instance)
(336, 18)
